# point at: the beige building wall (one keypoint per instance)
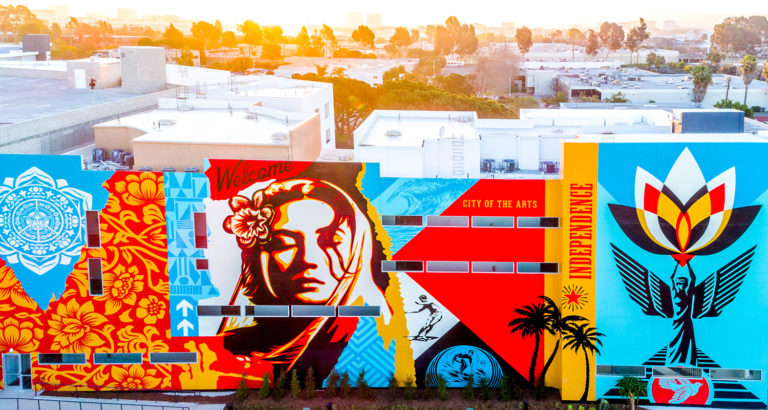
(112, 137)
(107, 75)
(159, 155)
(306, 140)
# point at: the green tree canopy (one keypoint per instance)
(611, 36)
(454, 38)
(739, 34)
(206, 33)
(748, 72)
(173, 37)
(637, 35)
(252, 33)
(524, 39)
(702, 78)
(364, 36)
(593, 44)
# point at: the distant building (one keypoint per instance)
(669, 25)
(60, 11)
(127, 14)
(354, 19)
(373, 20)
(370, 71)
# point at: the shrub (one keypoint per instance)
(485, 391)
(295, 384)
(279, 391)
(344, 388)
(363, 390)
(242, 389)
(442, 388)
(619, 97)
(393, 388)
(540, 391)
(409, 388)
(264, 390)
(309, 384)
(468, 391)
(428, 393)
(332, 388)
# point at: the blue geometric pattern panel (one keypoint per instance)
(189, 283)
(365, 350)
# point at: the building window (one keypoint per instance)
(359, 311)
(402, 220)
(201, 264)
(173, 357)
(328, 136)
(636, 371)
(201, 230)
(402, 266)
(221, 310)
(448, 221)
(93, 229)
(735, 374)
(493, 267)
(538, 222)
(313, 311)
(693, 372)
(95, 283)
(538, 267)
(327, 110)
(268, 310)
(493, 221)
(117, 358)
(448, 266)
(47, 359)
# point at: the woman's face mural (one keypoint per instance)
(306, 250)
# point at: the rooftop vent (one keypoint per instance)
(280, 136)
(393, 133)
(464, 118)
(166, 121)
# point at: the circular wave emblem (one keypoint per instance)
(455, 364)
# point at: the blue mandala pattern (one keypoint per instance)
(42, 221)
(457, 363)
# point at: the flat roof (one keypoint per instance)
(671, 137)
(207, 126)
(411, 131)
(24, 99)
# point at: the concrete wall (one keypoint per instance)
(305, 140)
(111, 137)
(29, 72)
(107, 75)
(143, 69)
(60, 132)
(155, 154)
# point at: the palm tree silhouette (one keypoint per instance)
(557, 325)
(585, 338)
(532, 322)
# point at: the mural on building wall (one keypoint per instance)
(267, 266)
(705, 223)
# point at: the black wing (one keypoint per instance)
(643, 286)
(721, 287)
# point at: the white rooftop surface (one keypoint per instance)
(207, 126)
(54, 65)
(415, 130)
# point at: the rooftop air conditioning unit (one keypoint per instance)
(393, 133)
(279, 136)
(166, 121)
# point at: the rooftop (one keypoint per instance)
(24, 99)
(412, 128)
(223, 126)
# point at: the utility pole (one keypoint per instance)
(728, 89)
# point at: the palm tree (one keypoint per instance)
(338, 72)
(556, 326)
(585, 338)
(702, 78)
(532, 322)
(321, 70)
(747, 71)
(631, 388)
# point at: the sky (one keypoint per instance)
(549, 13)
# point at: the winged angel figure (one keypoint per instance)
(683, 217)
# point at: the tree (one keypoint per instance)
(585, 338)
(636, 37)
(557, 326)
(321, 70)
(765, 72)
(702, 78)
(399, 40)
(393, 73)
(747, 71)
(737, 34)
(631, 388)
(206, 33)
(524, 40)
(574, 35)
(271, 51)
(12, 17)
(611, 36)
(728, 104)
(592, 43)
(454, 37)
(186, 58)
(251, 32)
(338, 72)
(455, 84)
(228, 39)
(415, 35)
(173, 37)
(532, 321)
(654, 60)
(494, 73)
(329, 39)
(715, 57)
(364, 36)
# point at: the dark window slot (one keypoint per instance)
(201, 230)
(538, 222)
(93, 229)
(402, 266)
(538, 267)
(95, 283)
(402, 220)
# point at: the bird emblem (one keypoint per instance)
(683, 388)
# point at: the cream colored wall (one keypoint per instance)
(180, 156)
(306, 140)
(112, 137)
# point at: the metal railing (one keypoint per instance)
(35, 403)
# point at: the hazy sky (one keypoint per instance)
(546, 13)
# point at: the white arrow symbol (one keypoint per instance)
(184, 306)
(184, 324)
